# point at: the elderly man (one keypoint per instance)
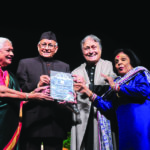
(48, 122)
(85, 134)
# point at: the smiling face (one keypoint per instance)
(6, 54)
(91, 51)
(122, 63)
(47, 48)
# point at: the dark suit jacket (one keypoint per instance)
(43, 118)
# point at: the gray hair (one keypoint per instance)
(2, 41)
(95, 38)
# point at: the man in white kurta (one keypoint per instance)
(85, 134)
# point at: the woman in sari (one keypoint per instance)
(12, 99)
(129, 97)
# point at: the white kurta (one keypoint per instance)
(84, 105)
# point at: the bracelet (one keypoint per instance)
(115, 87)
(93, 97)
(27, 95)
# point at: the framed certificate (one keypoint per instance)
(61, 86)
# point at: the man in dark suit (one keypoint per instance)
(45, 122)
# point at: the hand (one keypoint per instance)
(3, 88)
(43, 89)
(78, 79)
(82, 88)
(109, 79)
(40, 96)
(79, 83)
(44, 80)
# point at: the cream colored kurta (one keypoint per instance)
(84, 105)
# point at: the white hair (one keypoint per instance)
(94, 37)
(2, 41)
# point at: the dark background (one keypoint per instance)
(118, 25)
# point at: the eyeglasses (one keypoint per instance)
(44, 45)
(93, 47)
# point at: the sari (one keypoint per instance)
(126, 111)
(10, 114)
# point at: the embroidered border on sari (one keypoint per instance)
(131, 74)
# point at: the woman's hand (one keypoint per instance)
(114, 86)
(3, 89)
(42, 89)
(109, 79)
(45, 93)
(40, 96)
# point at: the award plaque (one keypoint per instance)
(61, 86)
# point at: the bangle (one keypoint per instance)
(115, 87)
(93, 97)
(27, 95)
